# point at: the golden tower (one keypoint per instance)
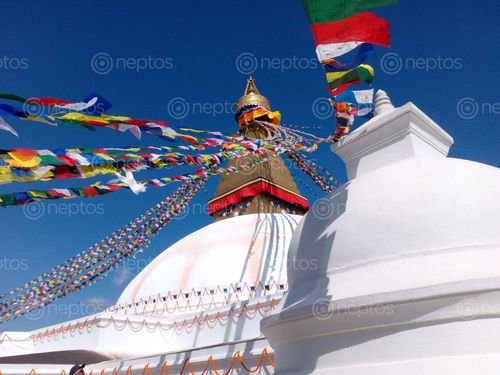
(267, 187)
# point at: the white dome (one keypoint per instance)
(380, 223)
(407, 214)
(245, 249)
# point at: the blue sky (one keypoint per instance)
(442, 59)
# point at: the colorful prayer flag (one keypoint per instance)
(331, 50)
(332, 65)
(360, 100)
(340, 81)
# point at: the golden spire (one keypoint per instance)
(252, 96)
(251, 87)
(272, 183)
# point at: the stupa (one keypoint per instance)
(199, 303)
(404, 274)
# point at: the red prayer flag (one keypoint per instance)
(362, 27)
(28, 152)
(89, 191)
(67, 160)
(48, 101)
(64, 171)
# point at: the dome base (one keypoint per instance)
(248, 249)
(435, 335)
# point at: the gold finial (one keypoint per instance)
(252, 96)
(251, 87)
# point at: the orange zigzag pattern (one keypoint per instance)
(210, 364)
(88, 324)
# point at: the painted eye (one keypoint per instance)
(245, 205)
(275, 204)
(291, 210)
(227, 211)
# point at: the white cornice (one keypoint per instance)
(391, 137)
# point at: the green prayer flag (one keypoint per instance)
(325, 11)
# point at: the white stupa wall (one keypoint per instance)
(236, 356)
(409, 276)
(225, 278)
(390, 138)
(125, 336)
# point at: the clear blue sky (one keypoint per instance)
(446, 51)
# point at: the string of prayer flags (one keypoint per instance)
(26, 165)
(122, 123)
(127, 181)
(93, 104)
(86, 258)
(88, 113)
(22, 114)
(340, 26)
(344, 122)
(83, 271)
(311, 169)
